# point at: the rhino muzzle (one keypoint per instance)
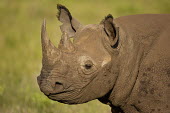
(50, 86)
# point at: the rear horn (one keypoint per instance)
(65, 43)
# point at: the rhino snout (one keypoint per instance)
(50, 86)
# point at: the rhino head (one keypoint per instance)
(82, 70)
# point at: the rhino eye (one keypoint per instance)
(88, 64)
(88, 68)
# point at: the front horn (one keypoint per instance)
(48, 49)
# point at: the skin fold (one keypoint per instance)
(122, 62)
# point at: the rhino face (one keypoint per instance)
(80, 71)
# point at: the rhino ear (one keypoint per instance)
(70, 25)
(110, 30)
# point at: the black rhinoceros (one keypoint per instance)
(122, 62)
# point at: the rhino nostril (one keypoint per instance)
(58, 83)
(58, 87)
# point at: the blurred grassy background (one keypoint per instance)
(20, 48)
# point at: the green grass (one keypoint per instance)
(20, 48)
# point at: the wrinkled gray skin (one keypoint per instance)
(123, 62)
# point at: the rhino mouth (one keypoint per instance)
(59, 95)
(67, 97)
(54, 94)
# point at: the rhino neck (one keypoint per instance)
(130, 55)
